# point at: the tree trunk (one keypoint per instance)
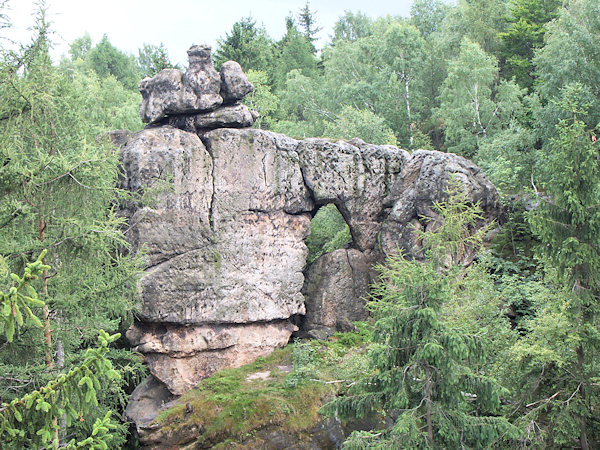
(46, 310)
(407, 97)
(428, 406)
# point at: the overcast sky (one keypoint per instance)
(180, 23)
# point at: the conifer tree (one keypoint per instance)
(308, 23)
(558, 361)
(424, 368)
(58, 187)
(247, 44)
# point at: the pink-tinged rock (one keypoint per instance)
(181, 356)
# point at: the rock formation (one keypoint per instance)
(225, 213)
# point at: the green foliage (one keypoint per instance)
(453, 238)
(308, 23)
(293, 52)
(480, 21)
(559, 358)
(428, 15)
(31, 421)
(105, 60)
(303, 363)
(570, 55)
(352, 26)
(80, 47)
(509, 158)
(526, 26)
(474, 105)
(152, 59)
(366, 125)
(58, 181)
(233, 404)
(328, 232)
(262, 98)
(21, 297)
(246, 44)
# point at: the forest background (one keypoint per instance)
(513, 85)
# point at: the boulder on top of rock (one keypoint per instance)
(171, 92)
(202, 77)
(234, 83)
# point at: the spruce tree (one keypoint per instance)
(308, 23)
(426, 370)
(558, 361)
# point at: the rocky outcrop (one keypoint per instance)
(424, 182)
(223, 213)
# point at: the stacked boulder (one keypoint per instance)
(200, 99)
(227, 209)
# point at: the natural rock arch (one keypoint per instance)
(226, 259)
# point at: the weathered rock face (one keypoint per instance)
(423, 182)
(180, 356)
(225, 213)
(357, 178)
(234, 84)
(221, 219)
(335, 288)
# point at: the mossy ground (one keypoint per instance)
(285, 389)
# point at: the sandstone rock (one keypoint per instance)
(222, 219)
(181, 356)
(231, 280)
(336, 285)
(213, 237)
(258, 171)
(423, 182)
(233, 116)
(234, 83)
(202, 77)
(172, 171)
(171, 92)
(357, 179)
(146, 400)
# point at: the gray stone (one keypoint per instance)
(234, 83)
(172, 172)
(203, 79)
(171, 92)
(222, 220)
(180, 357)
(146, 400)
(357, 179)
(335, 289)
(423, 183)
(233, 116)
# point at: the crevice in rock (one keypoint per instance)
(208, 145)
(169, 259)
(187, 355)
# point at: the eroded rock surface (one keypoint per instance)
(335, 289)
(424, 182)
(181, 356)
(234, 84)
(200, 89)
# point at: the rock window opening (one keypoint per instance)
(328, 232)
